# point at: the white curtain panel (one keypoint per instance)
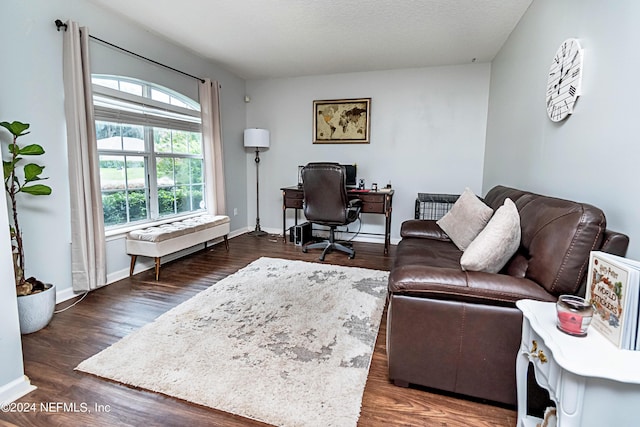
(212, 141)
(88, 248)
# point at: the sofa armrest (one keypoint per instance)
(467, 286)
(615, 243)
(423, 228)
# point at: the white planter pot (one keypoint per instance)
(35, 311)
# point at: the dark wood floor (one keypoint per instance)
(110, 313)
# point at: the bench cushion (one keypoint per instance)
(172, 237)
(179, 228)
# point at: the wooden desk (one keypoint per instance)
(374, 202)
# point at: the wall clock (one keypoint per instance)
(565, 78)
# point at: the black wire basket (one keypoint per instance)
(433, 205)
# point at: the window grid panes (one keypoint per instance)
(124, 190)
(138, 161)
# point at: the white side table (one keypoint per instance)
(592, 382)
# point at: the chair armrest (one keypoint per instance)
(423, 228)
(355, 203)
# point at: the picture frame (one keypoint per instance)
(342, 121)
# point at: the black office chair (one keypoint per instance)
(326, 203)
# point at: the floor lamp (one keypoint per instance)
(257, 138)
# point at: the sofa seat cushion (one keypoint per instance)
(435, 253)
(427, 281)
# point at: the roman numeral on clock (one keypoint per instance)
(572, 90)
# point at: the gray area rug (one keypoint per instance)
(285, 342)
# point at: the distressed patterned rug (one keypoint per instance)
(285, 342)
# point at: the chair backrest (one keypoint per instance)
(325, 193)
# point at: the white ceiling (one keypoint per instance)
(257, 39)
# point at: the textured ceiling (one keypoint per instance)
(287, 38)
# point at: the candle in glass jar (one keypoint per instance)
(574, 315)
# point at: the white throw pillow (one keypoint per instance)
(467, 217)
(497, 243)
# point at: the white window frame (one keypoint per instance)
(116, 106)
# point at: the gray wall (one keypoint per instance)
(593, 155)
(428, 129)
(32, 91)
(11, 367)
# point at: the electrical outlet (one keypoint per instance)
(235, 211)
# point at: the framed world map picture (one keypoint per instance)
(341, 121)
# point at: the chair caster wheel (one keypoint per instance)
(304, 250)
(352, 256)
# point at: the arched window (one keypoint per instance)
(150, 149)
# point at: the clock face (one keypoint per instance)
(565, 77)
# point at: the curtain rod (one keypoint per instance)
(60, 24)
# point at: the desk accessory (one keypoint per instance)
(301, 233)
(257, 138)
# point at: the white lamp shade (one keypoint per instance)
(256, 138)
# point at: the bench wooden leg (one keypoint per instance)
(157, 267)
(226, 242)
(133, 264)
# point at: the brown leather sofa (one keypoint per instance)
(459, 331)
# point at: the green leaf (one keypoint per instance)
(37, 190)
(31, 150)
(31, 172)
(16, 128)
(7, 167)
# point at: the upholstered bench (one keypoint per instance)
(165, 239)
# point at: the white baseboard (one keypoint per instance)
(15, 389)
(66, 294)
(144, 264)
(378, 238)
(365, 238)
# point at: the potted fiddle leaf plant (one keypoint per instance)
(36, 300)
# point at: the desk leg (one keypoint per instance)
(284, 224)
(387, 231)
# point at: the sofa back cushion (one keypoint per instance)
(557, 237)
